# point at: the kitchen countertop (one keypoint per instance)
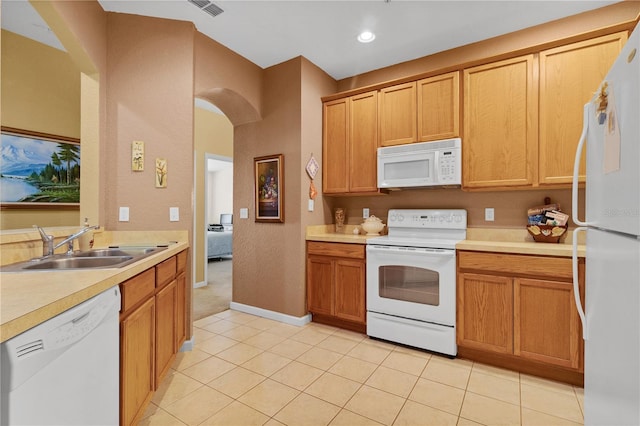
(30, 298)
(510, 240)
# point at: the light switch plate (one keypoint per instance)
(124, 214)
(365, 213)
(311, 205)
(244, 213)
(174, 214)
(489, 214)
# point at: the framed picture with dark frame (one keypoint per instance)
(269, 188)
(39, 170)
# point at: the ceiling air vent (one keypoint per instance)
(207, 6)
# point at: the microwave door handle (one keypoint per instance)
(435, 167)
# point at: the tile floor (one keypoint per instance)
(247, 370)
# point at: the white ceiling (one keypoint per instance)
(271, 32)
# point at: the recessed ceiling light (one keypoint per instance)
(366, 37)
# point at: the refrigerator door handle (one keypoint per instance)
(576, 168)
(576, 284)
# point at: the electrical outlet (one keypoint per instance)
(489, 214)
(124, 214)
(365, 213)
(174, 214)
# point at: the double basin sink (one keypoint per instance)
(113, 257)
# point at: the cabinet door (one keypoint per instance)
(546, 322)
(320, 285)
(137, 353)
(439, 107)
(485, 312)
(569, 76)
(363, 140)
(500, 124)
(166, 304)
(350, 290)
(181, 310)
(335, 147)
(398, 114)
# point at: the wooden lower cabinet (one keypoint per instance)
(336, 290)
(137, 353)
(166, 316)
(349, 290)
(518, 312)
(545, 322)
(152, 328)
(485, 305)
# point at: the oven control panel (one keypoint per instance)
(428, 218)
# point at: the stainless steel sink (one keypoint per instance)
(119, 251)
(113, 257)
(81, 262)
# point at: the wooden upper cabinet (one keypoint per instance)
(350, 140)
(500, 124)
(439, 107)
(397, 114)
(335, 146)
(569, 76)
(363, 131)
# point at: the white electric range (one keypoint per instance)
(411, 279)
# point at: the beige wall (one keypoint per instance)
(269, 258)
(220, 196)
(510, 206)
(40, 92)
(155, 107)
(40, 87)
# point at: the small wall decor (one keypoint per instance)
(312, 169)
(137, 156)
(161, 173)
(269, 188)
(39, 170)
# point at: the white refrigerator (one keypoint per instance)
(611, 315)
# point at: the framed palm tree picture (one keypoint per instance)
(39, 169)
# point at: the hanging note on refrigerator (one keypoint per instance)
(611, 138)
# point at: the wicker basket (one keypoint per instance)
(547, 233)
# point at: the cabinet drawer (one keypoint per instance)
(181, 262)
(516, 264)
(355, 251)
(137, 289)
(166, 272)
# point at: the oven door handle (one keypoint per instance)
(399, 249)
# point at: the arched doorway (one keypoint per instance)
(213, 146)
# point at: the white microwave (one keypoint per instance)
(422, 164)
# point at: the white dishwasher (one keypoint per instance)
(65, 371)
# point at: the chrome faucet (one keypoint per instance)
(48, 248)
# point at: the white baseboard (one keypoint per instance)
(187, 346)
(200, 284)
(273, 315)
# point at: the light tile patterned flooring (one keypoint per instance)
(247, 370)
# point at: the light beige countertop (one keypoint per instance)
(30, 298)
(517, 241)
(326, 233)
(511, 240)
